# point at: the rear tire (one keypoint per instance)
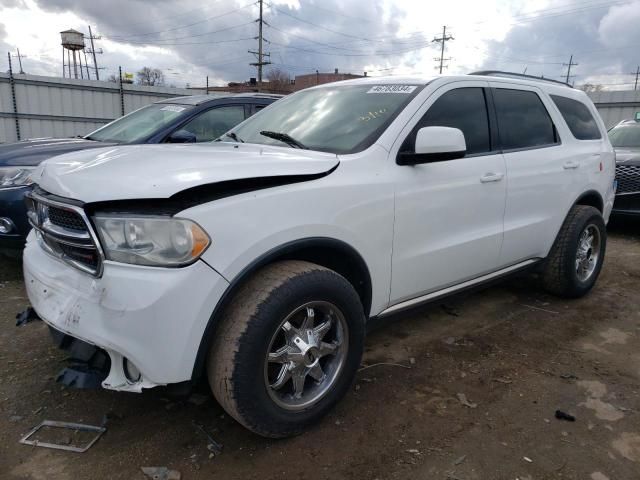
(576, 258)
(288, 348)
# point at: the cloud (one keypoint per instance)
(190, 39)
(215, 40)
(619, 27)
(601, 40)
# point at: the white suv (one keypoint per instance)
(259, 259)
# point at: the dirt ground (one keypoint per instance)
(481, 377)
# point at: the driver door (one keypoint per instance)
(449, 214)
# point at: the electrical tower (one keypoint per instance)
(93, 52)
(637, 74)
(442, 40)
(569, 65)
(260, 53)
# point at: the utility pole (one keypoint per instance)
(569, 65)
(260, 53)
(20, 57)
(442, 40)
(93, 52)
(637, 74)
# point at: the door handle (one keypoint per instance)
(491, 177)
(570, 165)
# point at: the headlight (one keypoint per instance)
(155, 241)
(15, 176)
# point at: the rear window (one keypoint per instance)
(578, 118)
(523, 120)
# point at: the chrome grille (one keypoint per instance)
(64, 231)
(66, 219)
(628, 177)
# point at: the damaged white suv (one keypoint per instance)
(258, 260)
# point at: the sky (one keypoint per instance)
(192, 39)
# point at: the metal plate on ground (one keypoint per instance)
(77, 427)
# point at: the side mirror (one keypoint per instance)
(181, 136)
(435, 144)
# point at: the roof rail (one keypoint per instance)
(499, 73)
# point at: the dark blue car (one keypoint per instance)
(198, 118)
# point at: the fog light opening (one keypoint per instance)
(131, 371)
(6, 225)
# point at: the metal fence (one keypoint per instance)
(33, 106)
(614, 106)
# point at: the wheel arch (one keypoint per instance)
(327, 252)
(591, 198)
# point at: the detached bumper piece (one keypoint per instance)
(89, 365)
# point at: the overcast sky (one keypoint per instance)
(190, 39)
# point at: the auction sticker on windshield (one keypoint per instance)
(392, 89)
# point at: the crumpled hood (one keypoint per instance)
(160, 171)
(32, 152)
(628, 156)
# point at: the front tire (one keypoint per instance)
(576, 258)
(287, 348)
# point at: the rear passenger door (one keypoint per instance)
(539, 171)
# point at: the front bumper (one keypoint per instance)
(12, 206)
(627, 204)
(153, 317)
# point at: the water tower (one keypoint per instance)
(73, 47)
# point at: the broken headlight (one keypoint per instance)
(154, 241)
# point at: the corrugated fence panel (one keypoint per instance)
(61, 107)
(615, 106)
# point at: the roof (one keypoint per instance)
(201, 99)
(423, 80)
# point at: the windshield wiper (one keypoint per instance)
(234, 136)
(283, 137)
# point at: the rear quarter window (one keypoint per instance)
(578, 117)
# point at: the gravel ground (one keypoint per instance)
(473, 396)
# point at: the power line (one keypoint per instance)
(183, 26)
(374, 54)
(169, 40)
(443, 40)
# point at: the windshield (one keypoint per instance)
(138, 125)
(625, 136)
(336, 119)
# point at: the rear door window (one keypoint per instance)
(578, 118)
(462, 108)
(212, 123)
(523, 120)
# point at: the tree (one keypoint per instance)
(590, 87)
(278, 79)
(112, 78)
(150, 76)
